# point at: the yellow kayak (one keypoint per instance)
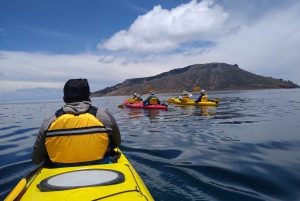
(117, 181)
(192, 102)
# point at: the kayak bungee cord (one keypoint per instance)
(128, 191)
(138, 189)
(54, 180)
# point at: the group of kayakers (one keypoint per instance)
(153, 99)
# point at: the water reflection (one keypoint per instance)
(192, 110)
(134, 113)
(154, 115)
(173, 112)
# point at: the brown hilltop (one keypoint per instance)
(211, 77)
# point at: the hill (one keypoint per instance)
(211, 77)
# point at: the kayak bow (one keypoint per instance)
(139, 104)
(192, 102)
(116, 181)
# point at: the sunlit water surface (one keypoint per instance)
(247, 148)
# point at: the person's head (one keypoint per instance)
(76, 90)
(152, 93)
(202, 91)
(135, 94)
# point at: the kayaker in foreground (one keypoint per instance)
(152, 99)
(78, 133)
(203, 97)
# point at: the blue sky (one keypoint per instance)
(45, 43)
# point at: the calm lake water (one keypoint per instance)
(247, 148)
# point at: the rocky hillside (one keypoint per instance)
(211, 77)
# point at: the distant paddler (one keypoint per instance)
(136, 97)
(185, 96)
(203, 97)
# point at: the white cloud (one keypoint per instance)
(26, 84)
(107, 59)
(22, 70)
(132, 60)
(2, 56)
(33, 94)
(269, 47)
(163, 30)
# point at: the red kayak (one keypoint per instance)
(139, 104)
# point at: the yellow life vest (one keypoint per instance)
(76, 138)
(136, 100)
(153, 101)
(185, 98)
(204, 98)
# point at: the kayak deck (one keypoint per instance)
(142, 106)
(191, 102)
(130, 187)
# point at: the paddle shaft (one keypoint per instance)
(21, 186)
(39, 166)
(148, 91)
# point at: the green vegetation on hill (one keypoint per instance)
(211, 77)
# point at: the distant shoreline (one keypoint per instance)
(195, 92)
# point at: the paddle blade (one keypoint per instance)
(20, 187)
(148, 90)
(216, 100)
(197, 88)
(121, 106)
(130, 100)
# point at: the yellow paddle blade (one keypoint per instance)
(197, 88)
(121, 106)
(216, 100)
(17, 190)
(148, 90)
(130, 100)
